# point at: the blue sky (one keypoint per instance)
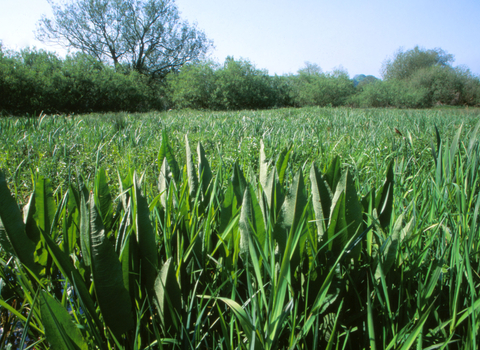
(281, 35)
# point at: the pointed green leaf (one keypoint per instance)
(321, 201)
(15, 228)
(112, 297)
(72, 220)
(439, 140)
(454, 145)
(408, 343)
(147, 245)
(166, 152)
(295, 203)
(229, 208)
(389, 249)
(251, 222)
(473, 137)
(103, 199)
(352, 216)
(239, 183)
(337, 224)
(269, 188)
(192, 176)
(242, 317)
(60, 330)
(45, 207)
(282, 163)
(263, 166)
(65, 265)
(204, 171)
(164, 179)
(31, 227)
(168, 296)
(333, 173)
(384, 198)
(85, 231)
(4, 241)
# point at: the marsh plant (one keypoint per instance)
(277, 248)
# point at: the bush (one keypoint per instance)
(235, 85)
(376, 94)
(471, 89)
(420, 79)
(32, 81)
(239, 85)
(321, 89)
(193, 87)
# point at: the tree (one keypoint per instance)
(406, 63)
(321, 89)
(361, 80)
(144, 35)
(310, 69)
(193, 86)
(239, 85)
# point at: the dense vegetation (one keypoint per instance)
(32, 81)
(302, 228)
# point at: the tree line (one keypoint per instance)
(36, 80)
(138, 55)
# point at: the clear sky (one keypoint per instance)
(281, 35)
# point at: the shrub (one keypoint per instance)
(193, 86)
(32, 81)
(321, 89)
(235, 85)
(239, 85)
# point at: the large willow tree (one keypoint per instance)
(147, 36)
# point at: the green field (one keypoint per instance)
(306, 228)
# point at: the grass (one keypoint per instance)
(292, 228)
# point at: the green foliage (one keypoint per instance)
(193, 86)
(32, 81)
(60, 331)
(39, 81)
(419, 78)
(406, 63)
(361, 80)
(146, 35)
(376, 247)
(241, 86)
(321, 89)
(426, 88)
(235, 85)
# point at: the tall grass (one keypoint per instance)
(309, 229)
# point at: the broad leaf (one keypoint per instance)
(333, 173)
(45, 207)
(85, 231)
(321, 201)
(60, 330)
(168, 296)
(166, 152)
(164, 179)
(12, 221)
(282, 163)
(191, 174)
(384, 198)
(113, 298)
(64, 263)
(103, 199)
(263, 166)
(251, 223)
(147, 245)
(388, 252)
(204, 172)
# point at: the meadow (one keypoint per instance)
(307, 228)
